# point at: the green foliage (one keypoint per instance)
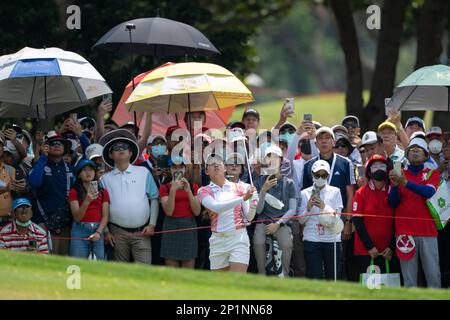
(228, 24)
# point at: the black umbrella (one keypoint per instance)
(157, 37)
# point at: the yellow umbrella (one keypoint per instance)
(189, 86)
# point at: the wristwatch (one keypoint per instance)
(282, 224)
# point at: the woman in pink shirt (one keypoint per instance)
(229, 205)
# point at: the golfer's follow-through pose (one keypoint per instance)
(228, 204)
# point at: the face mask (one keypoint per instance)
(287, 136)
(379, 175)
(159, 150)
(435, 146)
(320, 182)
(23, 224)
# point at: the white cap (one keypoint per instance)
(417, 120)
(320, 165)
(418, 142)
(154, 136)
(273, 149)
(370, 137)
(418, 134)
(434, 130)
(327, 130)
(93, 151)
(339, 127)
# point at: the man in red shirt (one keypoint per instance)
(22, 234)
(414, 228)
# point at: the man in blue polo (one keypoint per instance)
(51, 179)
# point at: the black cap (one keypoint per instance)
(252, 112)
(235, 124)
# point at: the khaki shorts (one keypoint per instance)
(227, 247)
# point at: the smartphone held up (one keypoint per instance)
(289, 107)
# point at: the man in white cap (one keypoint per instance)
(435, 140)
(277, 204)
(319, 212)
(372, 143)
(413, 222)
(414, 124)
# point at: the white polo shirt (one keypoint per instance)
(129, 192)
(313, 230)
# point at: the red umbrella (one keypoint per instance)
(161, 121)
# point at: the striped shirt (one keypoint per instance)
(227, 205)
(34, 240)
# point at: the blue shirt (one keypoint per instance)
(342, 174)
(48, 181)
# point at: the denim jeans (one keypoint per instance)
(319, 258)
(82, 248)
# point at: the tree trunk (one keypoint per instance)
(347, 33)
(392, 17)
(429, 43)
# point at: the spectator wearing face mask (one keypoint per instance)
(21, 234)
(319, 212)
(156, 148)
(435, 140)
(374, 237)
(415, 231)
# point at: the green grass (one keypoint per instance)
(328, 109)
(32, 276)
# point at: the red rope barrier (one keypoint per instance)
(256, 221)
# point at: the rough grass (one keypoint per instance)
(32, 276)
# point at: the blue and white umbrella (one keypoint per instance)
(41, 83)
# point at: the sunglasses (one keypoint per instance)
(318, 176)
(340, 146)
(23, 210)
(120, 147)
(351, 125)
(55, 143)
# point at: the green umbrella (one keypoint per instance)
(427, 88)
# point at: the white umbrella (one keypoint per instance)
(41, 83)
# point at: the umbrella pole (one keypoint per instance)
(129, 27)
(448, 97)
(45, 95)
(189, 122)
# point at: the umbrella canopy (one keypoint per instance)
(161, 121)
(157, 37)
(189, 86)
(41, 83)
(427, 88)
